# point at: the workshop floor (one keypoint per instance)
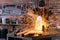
(2, 39)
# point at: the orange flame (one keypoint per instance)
(37, 28)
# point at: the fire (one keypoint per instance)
(38, 24)
(37, 29)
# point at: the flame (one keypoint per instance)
(38, 24)
(37, 29)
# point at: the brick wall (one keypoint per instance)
(54, 6)
(6, 1)
(14, 1)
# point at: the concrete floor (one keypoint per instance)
(50, 32)
(2, 39)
